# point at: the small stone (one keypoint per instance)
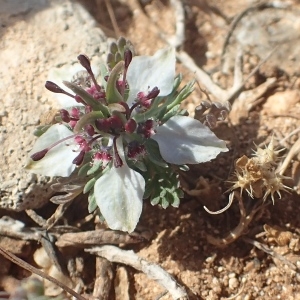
(233, 283)
(281, 102)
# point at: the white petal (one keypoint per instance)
(58, 161)
(66, 73)
(146, 72)
(183, 140)
(119, 195)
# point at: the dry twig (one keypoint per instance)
(38, 272)
(104, 277)
(271, 252)
(97, 237)
(240, 229)
(153, 271)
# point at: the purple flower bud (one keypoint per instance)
(103, 156)
(65, 116)
(146, 128)
(85, 62)
(115, 122)
(130, 126)
(79, 158)
(79, 99)
(154, 93)
(102, 124)
(88, 109)
(54, 88)
(75, 113)
(149, 124)
(89, 129)
(39, 155)
(127, 58)
(135, 150)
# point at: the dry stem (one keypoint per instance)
(153, 271)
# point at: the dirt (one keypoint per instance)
(237, 270)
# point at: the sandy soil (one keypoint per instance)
(237, 270)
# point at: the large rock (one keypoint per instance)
(35, 37)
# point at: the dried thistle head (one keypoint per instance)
(258, 176)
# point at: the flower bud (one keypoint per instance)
(154, 93)
(79, 99)
(85, 62)
(79, 158)
(65, 116)
(102, 124)
(130, 126)
(53, 87)
(89, 129)
(39, 155)
(115, 122)
(127, 58)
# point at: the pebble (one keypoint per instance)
(233, 283)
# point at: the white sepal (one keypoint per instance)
(146, 72)
(184, 140)
(119, 195)
(58, 160)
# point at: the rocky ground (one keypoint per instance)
(261, 259)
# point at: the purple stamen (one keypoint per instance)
(127, 59)
(54, 88)
(89, 129)
(85, 62)
(154, 93)
(79, 159)
(65, 116)
(39, 155)
(117, 159)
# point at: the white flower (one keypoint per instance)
(184, 140)
(68, 72)
(146, 72)
(58, 160)
(119, 195)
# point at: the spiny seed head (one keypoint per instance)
(268, 154)
(257, 175)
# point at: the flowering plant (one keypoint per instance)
(124, 134)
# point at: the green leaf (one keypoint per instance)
(96, 105)
(154, 153)
(183, 94)
(164, 202)
(155, 200)
(84, 169)
(184, 168)
(95, 167)
(112, 93)
(176, 200)
(89, 185)
(139, 165)
(92, 202)
(86, 119)
(113, 48)
(171, 113)
(41, 130)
